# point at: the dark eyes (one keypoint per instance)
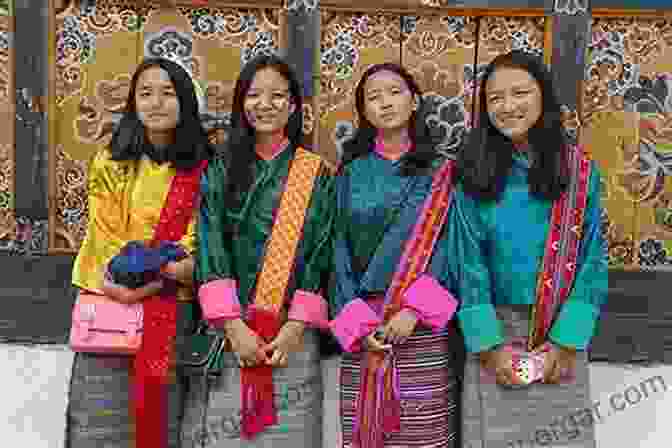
(518, 93)
(377, 96)
(146, 93)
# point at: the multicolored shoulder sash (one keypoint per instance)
(378, 405)
(558, 269)
(155, 357)
(264, 313)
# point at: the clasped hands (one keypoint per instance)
(251, 350)
(557, 361)
(396, 331)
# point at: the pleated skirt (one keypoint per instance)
(540, 415)
(98, 410)
(298, 398)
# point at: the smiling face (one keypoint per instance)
(156, 101)
(514, 102)
(267, 104)
(388, 102)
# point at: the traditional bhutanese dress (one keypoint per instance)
(124, 205)
(498, 250)
(368, 244)
(227, 271)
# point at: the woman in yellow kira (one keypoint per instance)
(131, 187)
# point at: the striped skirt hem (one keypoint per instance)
(429, 389)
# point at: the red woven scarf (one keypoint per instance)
(156, 355)
(556, 276)
(378, 407)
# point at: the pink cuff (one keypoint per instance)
(433, 304)
(309, 308)
(219, 300)
(355, 321)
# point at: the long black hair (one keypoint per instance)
(423, 145)
(191, 146)
(486, 158)
(239, 150)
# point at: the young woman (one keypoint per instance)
(391, 301)
(264, 241)
(118, 400)
(530, 265)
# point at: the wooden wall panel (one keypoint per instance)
(498, 35)
(349, 43)
(98, 48)
(7, 111)
(439, 51)
(629, 74)
(31, 73)
(302, 52)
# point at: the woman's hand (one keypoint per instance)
(500, 362)
(373, 344)
(289, 339)
(129, 296)
(245, 343)
(400, 327)
(180, 271)
(558, 362)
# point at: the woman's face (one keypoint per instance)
(388, 102)
(267, 104)
(514, 102)
(156, 101)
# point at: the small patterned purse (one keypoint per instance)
(528, 367)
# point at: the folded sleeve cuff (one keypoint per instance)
(575, 325)
(310, 308)
(481, 328)
(219, 300)
(355, 321)
(432, 303)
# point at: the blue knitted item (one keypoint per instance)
(137, 264)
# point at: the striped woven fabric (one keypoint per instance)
(98, 410)
(429, 392)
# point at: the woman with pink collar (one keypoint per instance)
(393, 309)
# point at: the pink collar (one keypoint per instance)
(380, 149)
(276, 149)
(521, 147)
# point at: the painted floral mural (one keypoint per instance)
(627, 74)
(211, 43)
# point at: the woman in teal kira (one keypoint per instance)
(510, 248)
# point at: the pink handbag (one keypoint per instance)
(101, 325)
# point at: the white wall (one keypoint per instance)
(34, 395)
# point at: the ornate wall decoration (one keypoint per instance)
(11, 238)
(571, 7)
(301, 6)
(628, 72)
(350, 43)
(211, 43)
(437, 49)
(502, 34)
(498, 35)
(6, 189)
